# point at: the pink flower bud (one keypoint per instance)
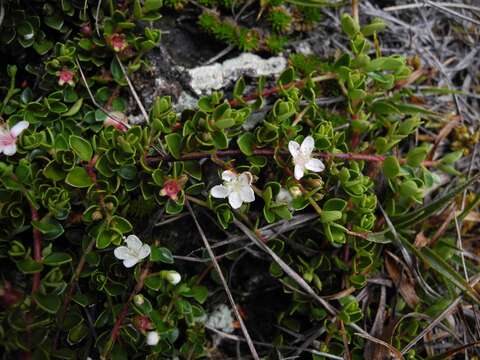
(171, 188)
(65, 76)
(117, 42)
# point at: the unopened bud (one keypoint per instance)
(138, 299)
(295, 191)
(97, 215)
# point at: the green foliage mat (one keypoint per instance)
(316, 214)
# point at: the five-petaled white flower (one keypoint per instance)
(153, 338)
(133, 253)
(238, 188)
(8, 137)
(302, 157)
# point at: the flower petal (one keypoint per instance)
(245, 178)
(9, 149)
(246, 194)
(144, 251)
(294, 148)
(283, 196)
(228, 176)
(122, 253)
(128, 263)
(307, 146)
(299, 170)
(19, 127)
(219, 191)
(133, 242)
(235, 200)
(315, 165)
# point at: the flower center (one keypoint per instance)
(6, 138)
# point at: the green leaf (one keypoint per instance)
(49, 227)
(55, 22)
(78, 177)
(330, 216)
(239, 88)
(416, 156)
(49, 303)
(121, 224)
(151, 5)
(161, 254)
(385, 63)
(137, 9)
(224, 123)
(391, 167)
(335, 204)
(174, 144)
(220, 140)
(200, 293)
(57, 258)
(349, 25)
(117, 72)
(81, 147)
(246, 142)
(42, 46)
(25, 30)
(29, 266)
(74, 109)
(376, 25)
(154, 282)
(104, 238)
(420, 214)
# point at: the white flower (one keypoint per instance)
(238, 188)
(302, 157)
(172, 277)
(134, 252)
(284, 198)
(153, 338)
(8, 137)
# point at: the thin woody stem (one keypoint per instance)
(270, 152)
(37, 249)
(124, 312)
(276, 89)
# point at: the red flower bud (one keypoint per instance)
(9, 295)
(65, 76)
(171, 188)
(117, 42)
(142, 323)
(86, 30)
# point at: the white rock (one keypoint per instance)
(221, 319)
(204, 79)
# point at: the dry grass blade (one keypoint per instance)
(269, 345)
(294, 276)
(437, 320)
(132, 89)
(394, 352)
(284, 266)
(404, 284)
(105, 111)
(224, 283)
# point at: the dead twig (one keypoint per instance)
(251, 346)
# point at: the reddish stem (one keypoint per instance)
(267, 92)
(121, 317)
(269, 152)
(37, 249)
